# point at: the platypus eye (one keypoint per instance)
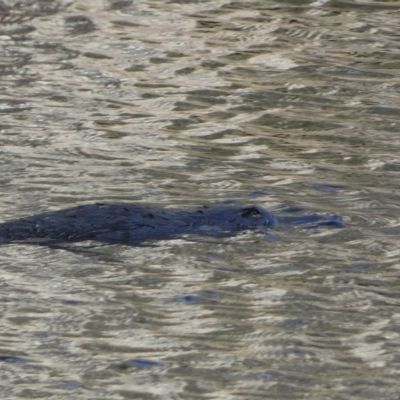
(250, 212)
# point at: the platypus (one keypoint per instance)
(132, 224)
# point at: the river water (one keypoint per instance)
(189, 102)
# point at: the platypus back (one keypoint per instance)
(129, 223)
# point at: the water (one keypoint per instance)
(183, 103)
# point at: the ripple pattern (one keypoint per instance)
(292, 105)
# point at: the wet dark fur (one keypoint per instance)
(131, 224)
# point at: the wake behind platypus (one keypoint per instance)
(133, 224)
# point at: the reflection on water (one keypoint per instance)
(189, 102)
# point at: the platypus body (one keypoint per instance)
(132, 224)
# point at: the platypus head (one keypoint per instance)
(254, 216)
(232, 219)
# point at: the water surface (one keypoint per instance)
(183, 103)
